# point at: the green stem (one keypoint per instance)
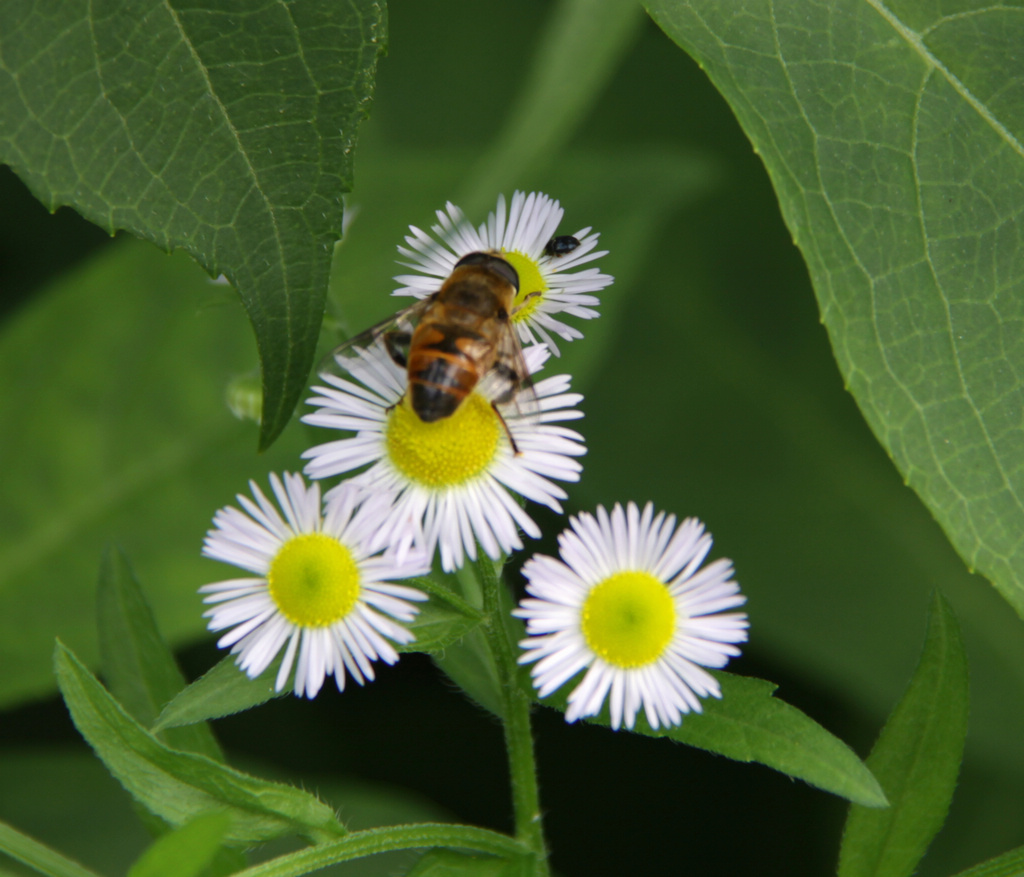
(518, 731)
(383, 840)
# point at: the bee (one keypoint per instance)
(452, 340)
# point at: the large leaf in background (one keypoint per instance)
(113, 407)
(893, 136)
(221, 128)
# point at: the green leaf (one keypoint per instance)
(749, 724)
(178, 786)
(916, 759)
(360, 844)
(893, 137)
(468, 663)
(438, 626)
(450, 863)
(140, 670)
(186, 851)
(225, 130)
(38, 856)
(372, 805)
(1009, 864)
(114, 408)
(442, 620)
(223, 690)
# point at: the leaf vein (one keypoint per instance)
(201, 67)
(914, 41)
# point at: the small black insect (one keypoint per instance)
(561, 245)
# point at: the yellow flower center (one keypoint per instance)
(530, 281)
(448, 451)
(314, 580)
(628, 619)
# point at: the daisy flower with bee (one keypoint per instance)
(445, 413)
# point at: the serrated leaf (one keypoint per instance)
(140, 670)
(226, 130)
(916, 759)
(749, 724)
(1010, 864)
(178, 786)
(186, 851)
(893, 136)
(223, 690)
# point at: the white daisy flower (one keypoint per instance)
(629, 603)
(522, 237)
(449, 481)
(317, 587)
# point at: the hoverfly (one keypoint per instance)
(455, 338)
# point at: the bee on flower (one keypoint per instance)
(451, 483)
(523, 234)
(448, 418)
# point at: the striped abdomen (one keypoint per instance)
(456, 341)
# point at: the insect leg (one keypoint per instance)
(508, 432)
(526, 298)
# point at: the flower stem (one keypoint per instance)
(516, 713)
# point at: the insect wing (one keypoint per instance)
(509, 381)
(390, 336)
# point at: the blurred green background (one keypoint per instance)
(710, 389)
